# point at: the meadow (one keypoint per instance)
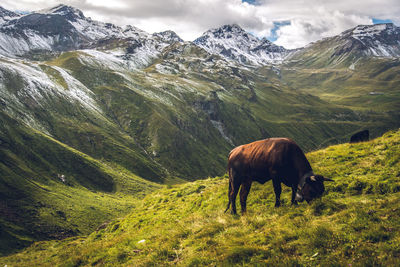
(355, 223)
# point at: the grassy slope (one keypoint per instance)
(356, 222)
(347, 79)
(35, 204)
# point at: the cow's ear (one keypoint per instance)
(328, 179)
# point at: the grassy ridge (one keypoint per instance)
(356, 221)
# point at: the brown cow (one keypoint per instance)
(279, 159)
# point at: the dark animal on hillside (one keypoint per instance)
(361, 136)
(278, 159)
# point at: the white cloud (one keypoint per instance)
(302, 31)
(310, 20)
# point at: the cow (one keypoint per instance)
(360, 137)
(278, 159)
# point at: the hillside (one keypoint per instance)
(50, 190)
(355, 223)
(93, 114)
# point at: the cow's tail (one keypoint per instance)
(230, 188)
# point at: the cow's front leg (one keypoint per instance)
(294, 190)
(244, 192)
(278, 190)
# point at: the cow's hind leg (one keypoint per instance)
(232, 197)
(244, 192)
(278, 191)
(229, 195)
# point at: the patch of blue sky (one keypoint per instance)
(22, 12)
(251, 2)
(277, 24)
(379, 21)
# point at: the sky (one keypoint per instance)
(290, 23)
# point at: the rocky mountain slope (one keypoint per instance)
(232, 42)
(351, 46)
(104, 111)
(64, 28)
(6, 15)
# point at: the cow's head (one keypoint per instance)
(313, 188)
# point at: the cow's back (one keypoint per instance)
(264, 158)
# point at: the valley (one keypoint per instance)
(96, 117)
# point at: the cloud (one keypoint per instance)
(302, 31)
(305, 20)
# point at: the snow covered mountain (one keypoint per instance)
(380, 40)
(6, 15)
(234, 43)
(64, 28)
(348, 48)
(168, 36)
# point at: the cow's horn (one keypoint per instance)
(313, 178)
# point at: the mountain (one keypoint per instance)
(345, 49)
(356, 222)
(232, 42)
(168, 36)
(359, 68)
(95, 116)
(64, 28)
(381, 40)
(6, 15)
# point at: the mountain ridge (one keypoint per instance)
(229, 41)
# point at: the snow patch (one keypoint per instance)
(31, 89)
(220, 127)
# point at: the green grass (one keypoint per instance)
(356, 223)
(50, 190)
